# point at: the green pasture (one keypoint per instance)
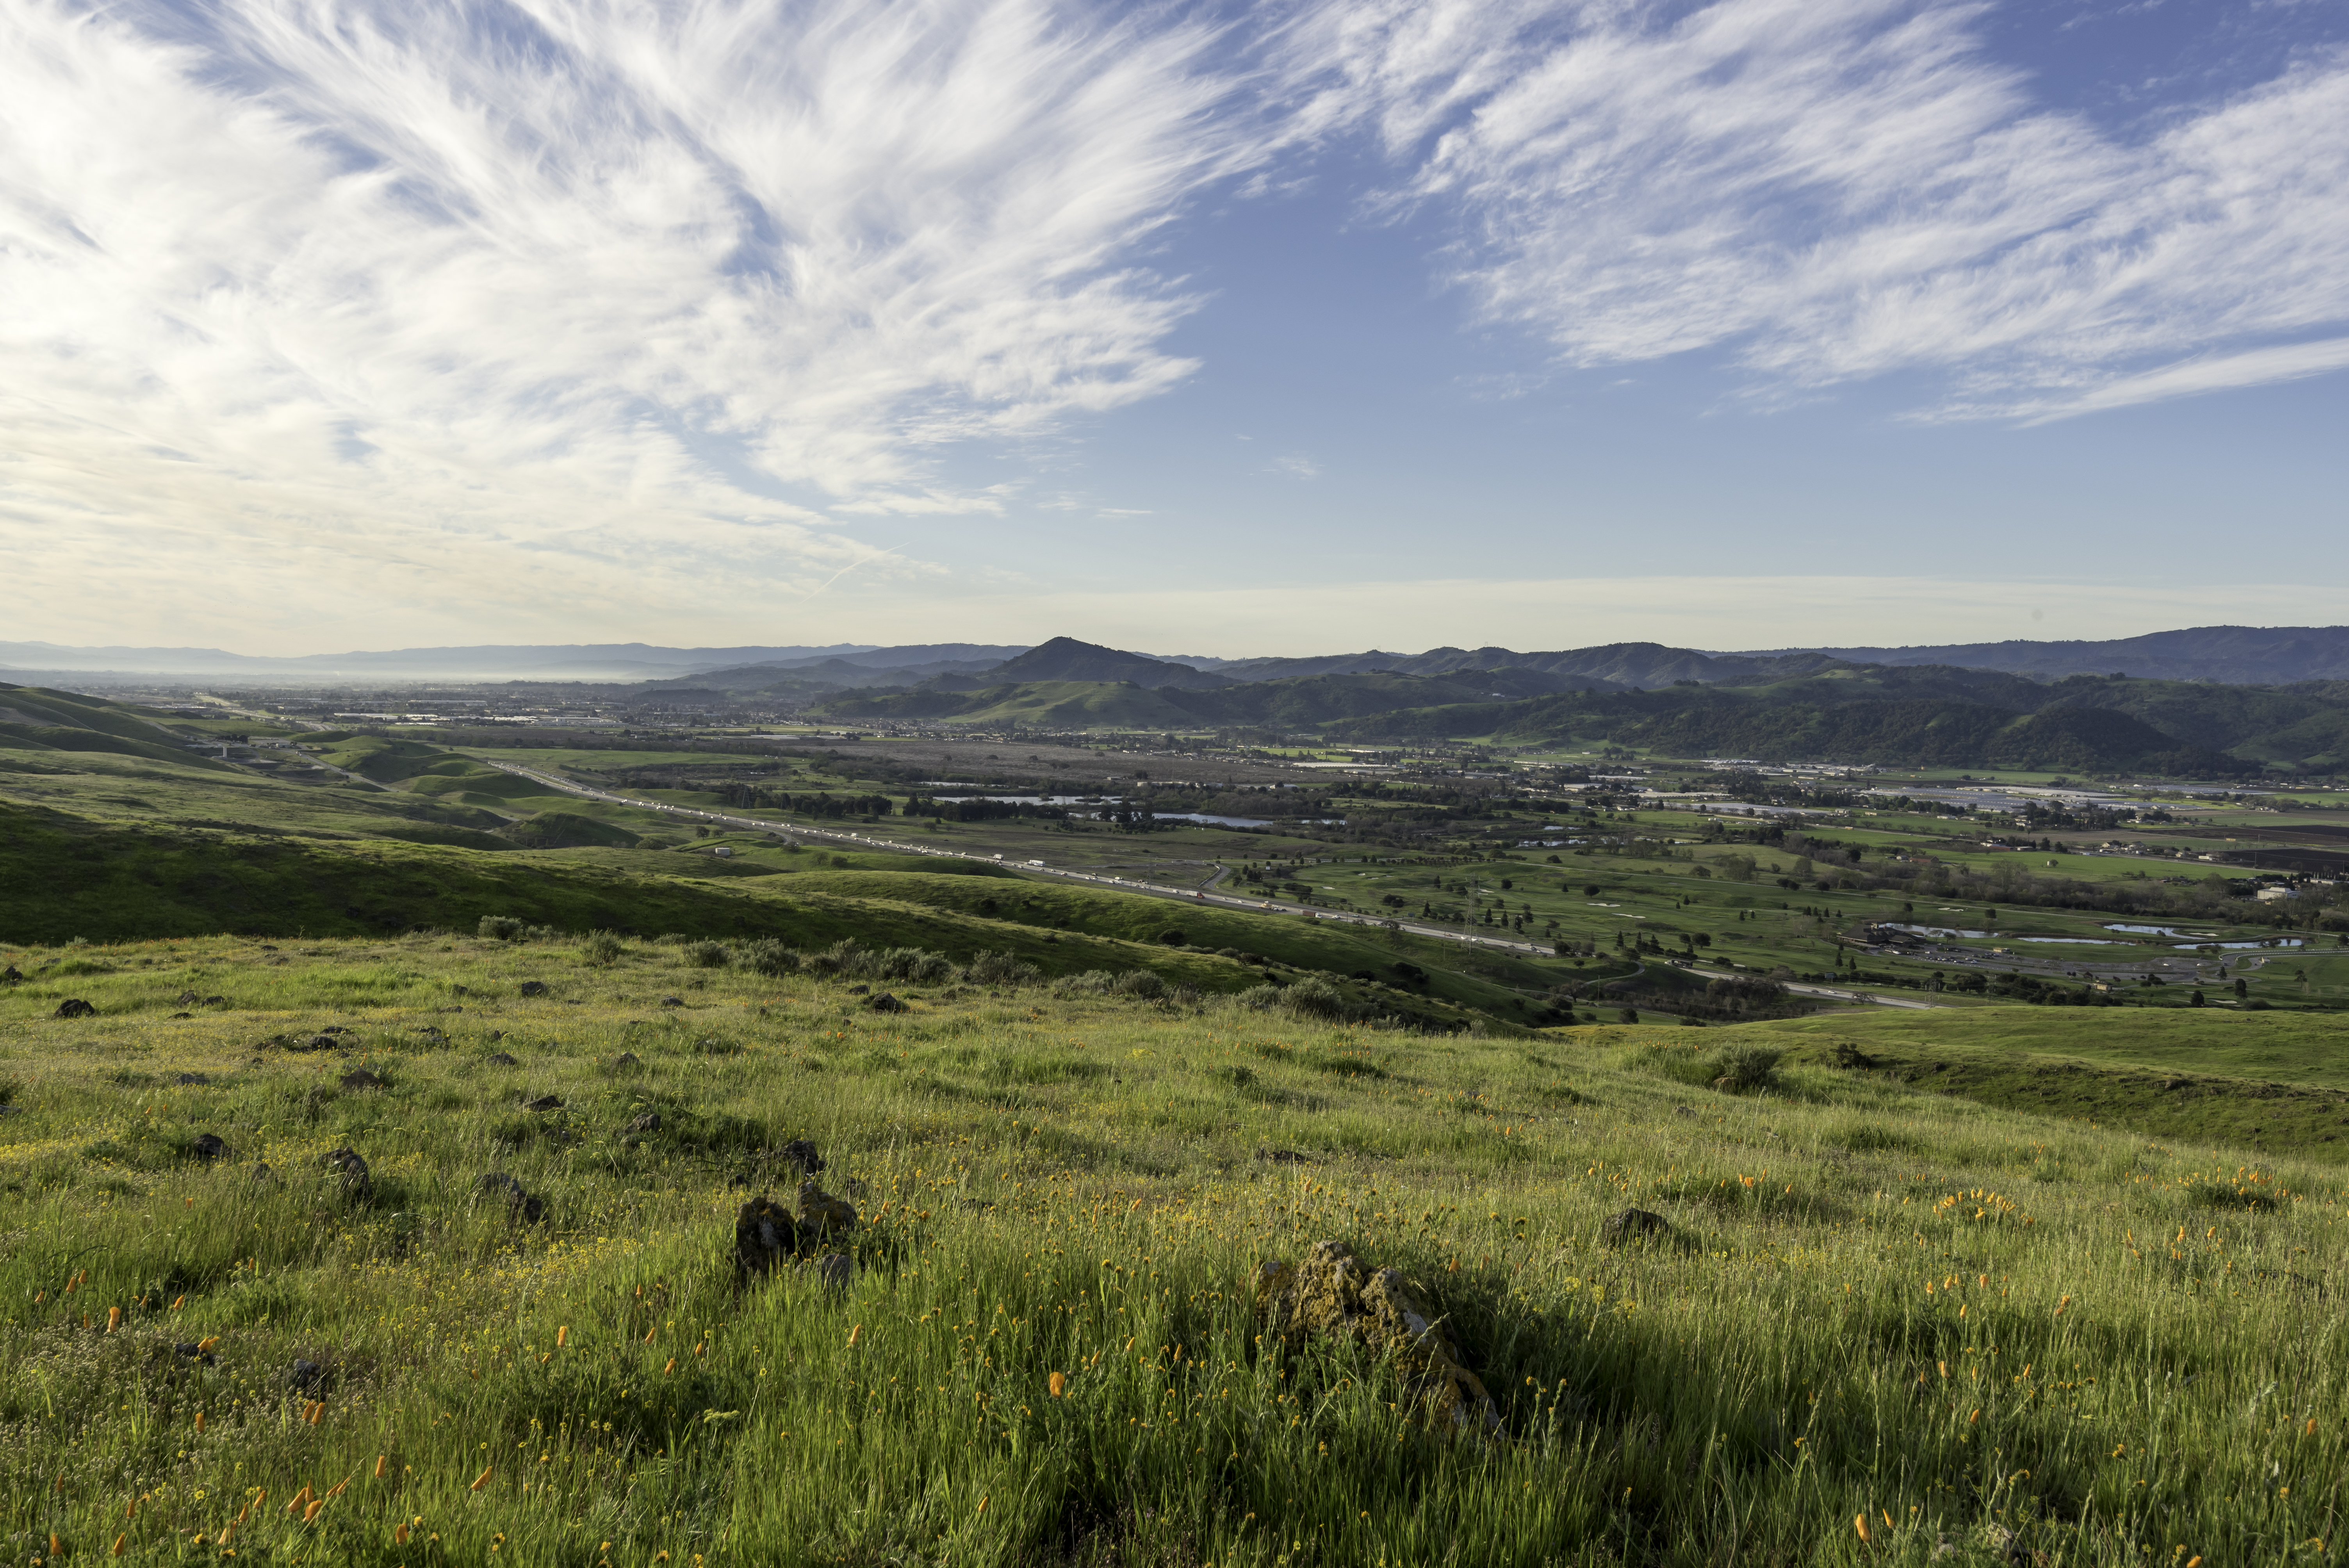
(1880, 1323)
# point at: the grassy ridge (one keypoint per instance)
(1988, 1334)
(61, 878)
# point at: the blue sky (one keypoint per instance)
(1230, 330)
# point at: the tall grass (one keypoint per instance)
(1986, 1335)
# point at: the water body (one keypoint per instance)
(2164, 930)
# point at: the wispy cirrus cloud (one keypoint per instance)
(622, 289)
(1834, 190)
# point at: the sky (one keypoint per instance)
(1234, 329)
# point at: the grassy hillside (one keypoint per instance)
(2271, 1082)
(1981, 1336)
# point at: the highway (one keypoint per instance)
(1203, 894)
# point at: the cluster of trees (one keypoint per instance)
(746, 796)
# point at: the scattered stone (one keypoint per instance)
(2178, 1083)
(74, 1007)
(184, 1080)
(209, 1146)
(12, 975)
(833, 1270)
(1334, 1295)
(335, 1030)
(886, 1003)
(858, 990)
(648, 1122)
(433, 1033)
(184, 999)
(520, 1206)
(1632, 1225)
(1284, 1157)
(1683, 1111)
(184, 1015)
(672, 1001)
(360, 1078)
(350, 1172)
(215, 1001)
(820, 1212)
(448, 1009)
(303, 1376)
(764, 1235)
(799, 1151)
(533, 987)
(499, 1059)
(461, 990)
(626, 1060)
(195, 1352)
(544, 1102)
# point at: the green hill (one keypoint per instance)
(508, 1263)
(33, 719)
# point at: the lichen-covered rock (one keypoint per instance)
(1334, 1295)
(821, 1213)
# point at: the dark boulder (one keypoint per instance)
(521, 1206)
(1632, 1225)
(74, 1007)
(349, 1171)
(544, 1102)
(209, 1146)
(886, 1003)
(765, 1236)
(360, 1078)
(533, 988)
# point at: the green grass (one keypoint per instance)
(1986, 1333)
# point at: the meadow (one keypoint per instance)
(1878, 1325)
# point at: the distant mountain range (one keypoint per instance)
(2241, 656)
(2238, 655)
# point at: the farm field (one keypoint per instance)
(1976, 1332)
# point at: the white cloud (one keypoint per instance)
(605, 295)
(1834, 190)
(1297, 465)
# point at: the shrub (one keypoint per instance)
(1745, 1069)
(917, 966)
(500, 928)
(1172, 937)
(765, 955)
(1315, 998)
(1142, 985)
(995, 968)
(706, 954)
(601, 948)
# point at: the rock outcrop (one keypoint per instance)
(1334, 1295)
